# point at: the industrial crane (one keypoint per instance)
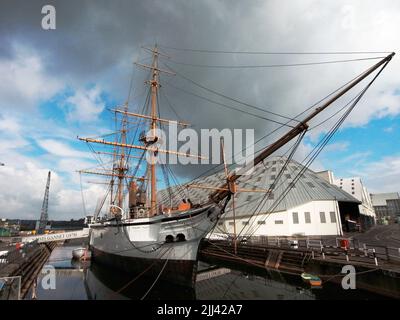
(44, 217)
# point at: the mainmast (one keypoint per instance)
(154, 88)
(122, 165)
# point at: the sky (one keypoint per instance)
(58, 84)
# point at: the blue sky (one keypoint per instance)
(355, 151)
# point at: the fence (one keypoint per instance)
(333, 247)
(10, 288)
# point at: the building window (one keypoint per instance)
(273, 169)
(249, 198)
(333, 216)
(310, 184)
(273, 177)
(295, 217)
(245, 223)
(307, 217)
(322, 217)
(220, 223)
(231, 223)
(288, 176)
(278, 221)
(261, 222)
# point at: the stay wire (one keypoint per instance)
(271, 65)
(280, 127)
(320, 148)
(228, 106)
(227, 97)
(271, 52)
(324, 141)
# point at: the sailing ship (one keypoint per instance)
(147, 238)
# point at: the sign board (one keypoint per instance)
(58, 236)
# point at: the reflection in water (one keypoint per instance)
(104, 283)
(86, 280)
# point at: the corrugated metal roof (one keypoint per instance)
(309, 187)
(379, 199)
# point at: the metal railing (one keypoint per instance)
(10, 288)
(333, 247)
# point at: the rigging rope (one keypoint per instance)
(215, 168)
(271, 65)
(155, 281)
(228, 106)
(317, 150)
(225, 96)
(271, 52)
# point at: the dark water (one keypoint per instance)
(82, 281)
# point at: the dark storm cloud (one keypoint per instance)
(96, 41)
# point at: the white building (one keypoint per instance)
(356, 188)
(387, 206)
(309, 207)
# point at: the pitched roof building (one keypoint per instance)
(309, 206)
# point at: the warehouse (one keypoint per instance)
(311, 206)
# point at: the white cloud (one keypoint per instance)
(22, 191)
(24, 81)
(382, 175)
(85, 105)
(336, 146)
(61, 149)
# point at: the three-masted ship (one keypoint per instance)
(155, 240)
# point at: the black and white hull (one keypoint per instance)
(160, 245)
